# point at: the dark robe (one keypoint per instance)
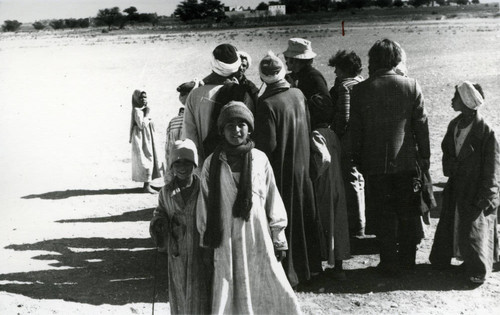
(282, 132)
(472, 190)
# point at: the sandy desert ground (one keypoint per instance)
(74, 228)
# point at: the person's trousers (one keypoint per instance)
(393, 213)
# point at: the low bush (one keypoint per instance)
(39, 25)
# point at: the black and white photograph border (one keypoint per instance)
(74, 235)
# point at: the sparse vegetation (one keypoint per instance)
(109, 17)
(39, 25)
(192, 10)
(11, 25)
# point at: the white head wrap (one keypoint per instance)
(269, 63)
(225, 69)
(469, 95)
(246, 56)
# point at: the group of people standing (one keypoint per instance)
(263, 185)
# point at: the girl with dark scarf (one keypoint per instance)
(241, 216)
(145, 163)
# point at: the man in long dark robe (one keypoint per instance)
(282, 132)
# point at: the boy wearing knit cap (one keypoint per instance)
(242, 218)
(201, 102)
(467, 228)
(173, 228)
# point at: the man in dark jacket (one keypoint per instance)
(390, 139)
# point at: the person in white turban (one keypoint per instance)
(282, 131)
(467, 228)
(202, 102)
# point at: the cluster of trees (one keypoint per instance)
(113, 17)
(192, 10)
(61, 24)
(11, 25)
(108, 17)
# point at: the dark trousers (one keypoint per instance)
(393, 214)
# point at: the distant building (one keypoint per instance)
(241, 12)
(277, 9)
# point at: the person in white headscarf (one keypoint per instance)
(282, 131)
(467, 228)
(201, 102)
(146, 165)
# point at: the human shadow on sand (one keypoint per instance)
(56, 195)
(130, 216)
(369, 280)
(93, 271)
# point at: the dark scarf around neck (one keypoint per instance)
(243, 203)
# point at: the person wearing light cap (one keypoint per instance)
(200, 103)
(173, 229)
(282, 132)
(241, 217)
(299, 58)
(467, 228)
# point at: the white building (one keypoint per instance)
(277, 9)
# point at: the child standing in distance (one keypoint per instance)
(174, 128)
(173, 228)
(467, 227)
(145, 163)
(242, 217)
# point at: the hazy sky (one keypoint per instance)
(32, 10)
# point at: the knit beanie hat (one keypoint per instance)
(271, 68)
(235, 109)
(226, 60)
(184, 149)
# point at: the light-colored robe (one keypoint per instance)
(248, 279)
(200, 104)
(188, 283)
(330, 193)
(145, 163)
